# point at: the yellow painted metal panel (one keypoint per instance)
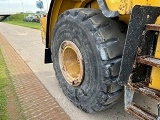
(114, 4)
(117, 5)
(94, 4)
(43, 22)
(124, 18)
(53, 17)
(157, 54)
(154, 2)
(155, 78)
(125, 6)
(155, 74)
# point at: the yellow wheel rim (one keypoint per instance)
(71, 63)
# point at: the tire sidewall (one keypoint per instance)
(84, 94)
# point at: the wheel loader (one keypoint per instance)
(102, 49)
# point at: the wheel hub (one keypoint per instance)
(71, 63)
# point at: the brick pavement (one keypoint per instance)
(35, 101)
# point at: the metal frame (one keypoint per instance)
(141, 15)
(137, 56)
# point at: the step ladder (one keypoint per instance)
(142, 87)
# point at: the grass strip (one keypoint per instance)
(18, 19)
(3, 84)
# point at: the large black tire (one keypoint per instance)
(100, 41)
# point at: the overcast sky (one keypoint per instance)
(21, 5)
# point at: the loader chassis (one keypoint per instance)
(140, 63)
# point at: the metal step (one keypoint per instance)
(142, 87)
(148, 60)
(154, 27)
(140, 112)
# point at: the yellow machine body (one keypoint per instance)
(155, 74)
(124, 8)
(43, 22)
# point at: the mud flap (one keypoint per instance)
(47, 58)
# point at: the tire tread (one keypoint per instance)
(99, 25)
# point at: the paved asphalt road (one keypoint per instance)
(27, 43)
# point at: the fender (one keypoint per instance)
(57, 7)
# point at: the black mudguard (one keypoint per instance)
(47, 57)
